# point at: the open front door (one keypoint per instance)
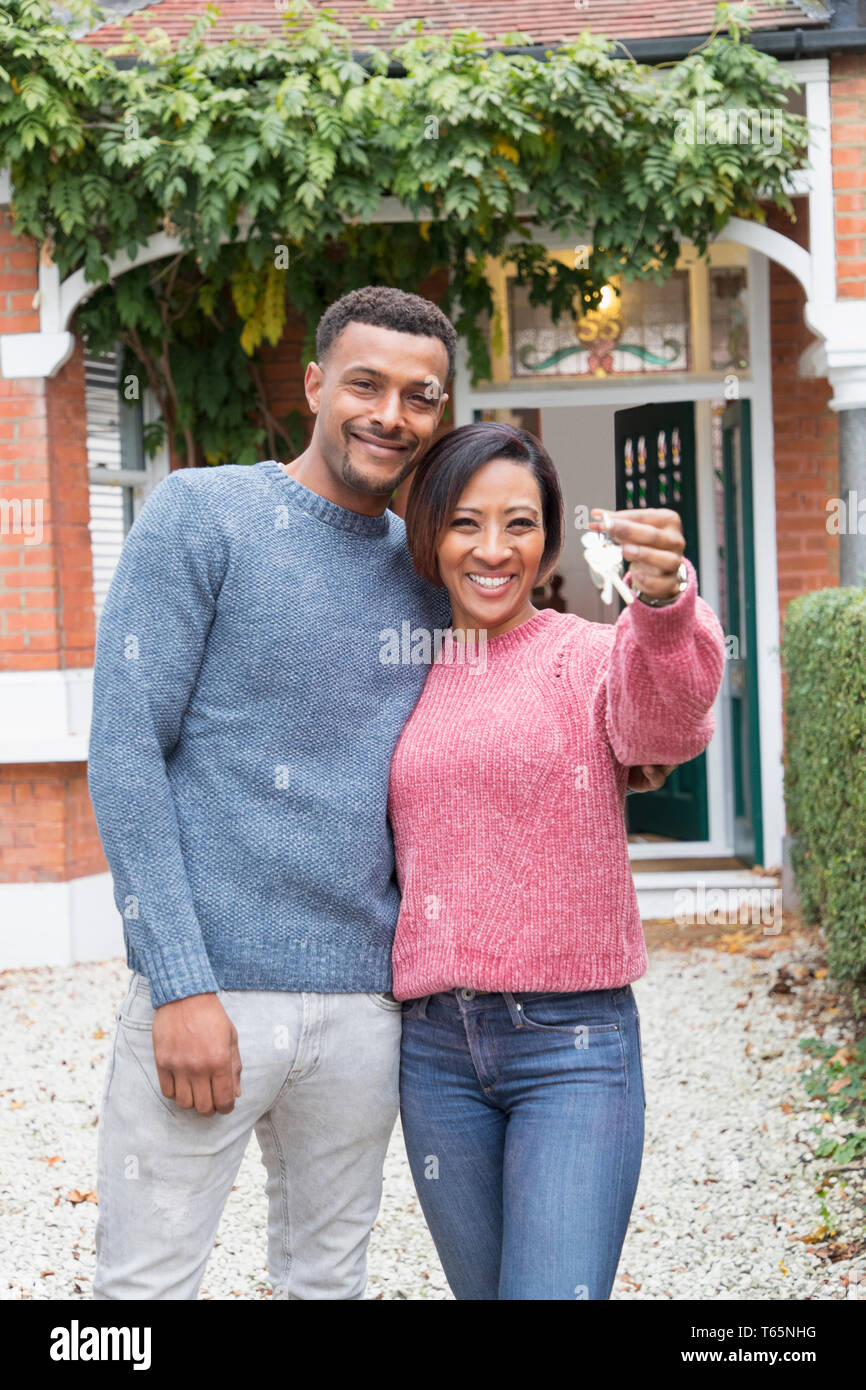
(655, 467)
(742, 664)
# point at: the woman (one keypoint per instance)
(522, 1096)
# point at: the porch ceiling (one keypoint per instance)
(550, 22)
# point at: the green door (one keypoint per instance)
(741, 631)
(655, 467)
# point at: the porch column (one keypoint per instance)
(852, 492)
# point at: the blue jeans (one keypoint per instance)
(523, 1118)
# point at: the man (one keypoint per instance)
(243, 728)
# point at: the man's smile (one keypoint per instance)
(380, 448)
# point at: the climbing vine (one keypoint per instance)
(266, 157)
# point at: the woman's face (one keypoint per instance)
(490, 551)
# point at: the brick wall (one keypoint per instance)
(805, 434)
(848, 116)
(46, 602)
(47, 830)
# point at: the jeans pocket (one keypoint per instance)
(134, 1044)
(387, 1002)
(567, 1013)
(137, 1011)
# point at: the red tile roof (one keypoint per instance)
(546, 21)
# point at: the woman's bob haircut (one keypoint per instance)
(447, 467)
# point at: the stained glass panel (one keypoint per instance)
(645, 329)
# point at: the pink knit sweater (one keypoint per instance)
(507, 796)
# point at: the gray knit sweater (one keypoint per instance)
(244, 719)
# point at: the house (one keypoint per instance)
(737, 393)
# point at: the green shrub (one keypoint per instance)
(824, 658)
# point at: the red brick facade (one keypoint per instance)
(805, 437)
(47, 828)
(848, 112)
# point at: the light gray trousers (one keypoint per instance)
(320, 1087)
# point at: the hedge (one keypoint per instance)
(824, 659)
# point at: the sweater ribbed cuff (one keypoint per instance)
(175, 976)
(665, 629)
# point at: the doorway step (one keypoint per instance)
(702, 889)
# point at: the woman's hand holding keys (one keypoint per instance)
(652, 541)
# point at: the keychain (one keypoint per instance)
(605, 564)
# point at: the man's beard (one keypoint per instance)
(353, 478)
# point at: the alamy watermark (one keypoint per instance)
(420, 646)
(729, 907)
(22, 516)
(729, 125)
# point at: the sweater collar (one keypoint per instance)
(517, 637)
(324, 508)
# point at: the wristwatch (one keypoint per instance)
(682, 576)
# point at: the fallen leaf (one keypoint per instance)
(844, 1056)
(16, 1105)
(98, 1034)
(838, 1085)
(75, 1196)
(820, 1233)
(786, 1107)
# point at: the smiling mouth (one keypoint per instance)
(491, 583)
(381, 448)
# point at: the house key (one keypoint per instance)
(605, 565)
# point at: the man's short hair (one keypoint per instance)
(385, 307)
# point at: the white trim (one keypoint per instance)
(59, 923)
(720, 819)
(5, 188)
(45, 715)
(805, 70)
(766, 566)
(617, 392)
(772, 244)
(822, 229)
(679, 849)
(34, 354)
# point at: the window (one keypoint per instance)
(695, 322)
(120, 476)
(643, 329)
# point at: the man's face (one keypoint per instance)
(379, 397)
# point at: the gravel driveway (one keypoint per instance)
(726, 1194)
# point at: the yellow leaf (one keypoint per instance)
(424, 229)
(98, 1034)
(508, 151)
(819, 1234)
